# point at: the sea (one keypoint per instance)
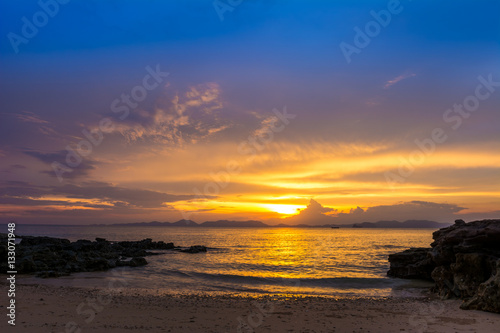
(295, 262)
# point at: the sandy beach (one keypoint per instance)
(42, 308)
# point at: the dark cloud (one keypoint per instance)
(413, 210)
(317, 214)
(17, 201)
(200, 210)
(23, 193)
(27, 129)
(479, 216)
(38, 215)
(107, 192)
(77, 203)
(83, 169)
(12, 168)
(18, 166)
(22, 190)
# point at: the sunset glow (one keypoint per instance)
(284, 209)
(247, 166)
(260, 126)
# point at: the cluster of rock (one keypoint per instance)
(463, 261)
(53, 257)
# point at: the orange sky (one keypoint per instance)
(163, 112)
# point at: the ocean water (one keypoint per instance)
(254, 261)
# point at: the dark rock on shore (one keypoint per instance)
(54, 257)
(463, 261)
(195, 249)
(411, 264)
(137, 261)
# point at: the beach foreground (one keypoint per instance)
(42, 308)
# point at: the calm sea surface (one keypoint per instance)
(255, 261)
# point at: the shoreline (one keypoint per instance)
(47, 308)
(116, 279)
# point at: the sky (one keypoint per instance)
(281, 111)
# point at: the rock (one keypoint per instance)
(411, 264)
(137, 261)
(97, 264)
(195, 249)
(26, 264)
(464, 261)
(53, 257)
(469, 271)
(443, 278)
(133, 252)
(487, 297)
(46, 241)
(164, 246)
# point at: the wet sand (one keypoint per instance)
(43, 308)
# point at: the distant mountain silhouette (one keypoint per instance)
(259, 224)
(405, 224)
(234, 224)
(180, 223)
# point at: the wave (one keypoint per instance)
(390, 246)
(245, 280)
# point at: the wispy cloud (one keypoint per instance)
(265, 126)
(101, 193)
(13, 167)
(82, 170)
(395, 80)
(30, 117)
(185, 118)
(34, 121)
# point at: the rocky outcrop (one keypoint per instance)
(463, 261)
(53, 257)
(411, 264)
(487, 296)
(195, 249)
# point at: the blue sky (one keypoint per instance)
(262, 55)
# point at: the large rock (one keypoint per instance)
(138, 261)
(195, 249)
(470, 270)
(411, 264)
(487, 297)
(463, 261)
(46, 241)
(52, 257)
